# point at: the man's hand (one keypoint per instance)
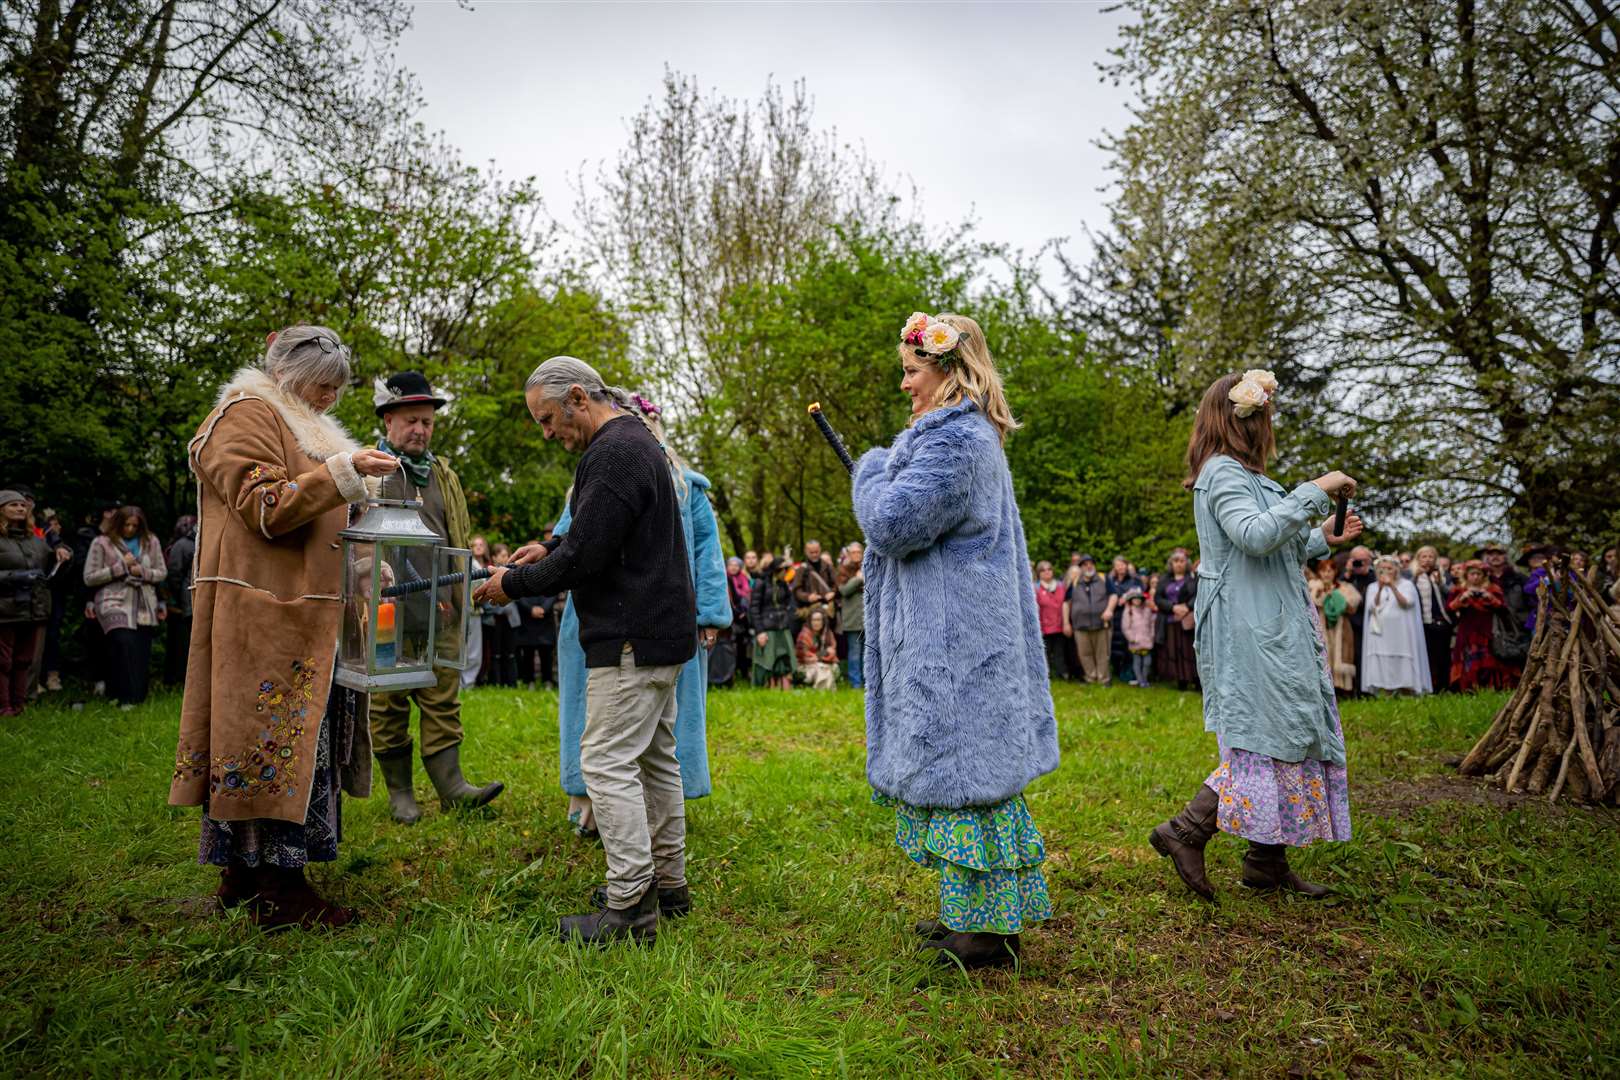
(710, 636)
(490, 592)
(537, 613)
(1352, 529)
(528, 553)
(63, 554)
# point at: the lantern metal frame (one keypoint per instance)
(394, 523)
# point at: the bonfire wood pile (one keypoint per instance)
(1560, 731)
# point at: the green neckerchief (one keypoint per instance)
(1333, 607)
(420, 469)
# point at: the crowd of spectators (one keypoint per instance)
(1409, 622)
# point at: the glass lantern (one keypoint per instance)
(405, 601)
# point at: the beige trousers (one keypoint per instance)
(627, 757)
(1093, 646)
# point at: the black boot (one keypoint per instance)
(1265, 867)
(932, 929)
(672, 903)
(395, 766)
(444, 769)
(639, 923)
(1182, 840)
(976, 950)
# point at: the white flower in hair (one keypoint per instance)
(1247, 397)
(1267, 381)
(940, 338)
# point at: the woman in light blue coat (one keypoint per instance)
(959, 714)
(1268, 689)
(708, 567)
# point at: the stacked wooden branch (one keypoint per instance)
(1560, 731)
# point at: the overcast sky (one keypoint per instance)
(540, 88)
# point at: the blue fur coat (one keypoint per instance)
(958, 707)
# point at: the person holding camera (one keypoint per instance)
(1268, 691)
(1475, 602)
(25, 596)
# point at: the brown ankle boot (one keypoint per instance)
(1265, 867)
(238, 883)
(286, 898)
(1182, 840)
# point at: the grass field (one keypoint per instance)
(1469, 937)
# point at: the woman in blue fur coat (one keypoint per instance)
(958, 707)
(691, 688)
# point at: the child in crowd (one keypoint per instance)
(1140, 622)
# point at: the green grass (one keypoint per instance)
(1468, 938)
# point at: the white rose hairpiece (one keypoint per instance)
(932, 339)
(1252, 392)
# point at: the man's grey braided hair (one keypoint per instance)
(556, 376)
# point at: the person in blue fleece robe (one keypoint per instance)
(959, 715)
(691, 689)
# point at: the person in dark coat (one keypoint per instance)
(536, 639)
(181, 555)
(25, 597)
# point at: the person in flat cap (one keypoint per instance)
(407, 406)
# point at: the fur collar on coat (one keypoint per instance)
(958, 707)
(319, 434)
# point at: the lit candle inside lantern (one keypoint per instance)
(387, 649)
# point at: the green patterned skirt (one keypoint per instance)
(989, 862)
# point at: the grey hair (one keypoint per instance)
(296, 360)
(560, 374)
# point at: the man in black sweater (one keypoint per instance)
(625, 561)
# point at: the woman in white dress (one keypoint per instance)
(1394, 656)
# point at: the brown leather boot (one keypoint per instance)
(1265, 867)
(238, 883)
(286, 898)
(975, 950)
(1182, 840)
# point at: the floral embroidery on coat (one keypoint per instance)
(269, 765)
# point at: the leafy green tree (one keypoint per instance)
(1422, 199)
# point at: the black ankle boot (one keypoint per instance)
(976, 950)
(932, 929)
(672, 903)
(639, 923)
(1182, 840)
(1265, 867)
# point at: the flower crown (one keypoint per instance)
(933, 339)
(1252, 392)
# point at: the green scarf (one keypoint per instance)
(1333, 607)
(420, 469)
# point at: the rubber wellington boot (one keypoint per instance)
(976, 950)
(1182, 840)
(396, 769)
(444, 769)
(638, 923)
(1265, 867)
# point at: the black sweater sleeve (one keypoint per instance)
(602, 521)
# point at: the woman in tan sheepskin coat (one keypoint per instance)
(266, 738)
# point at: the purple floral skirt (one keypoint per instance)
(1283, 802)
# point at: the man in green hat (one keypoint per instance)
(407, 407)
